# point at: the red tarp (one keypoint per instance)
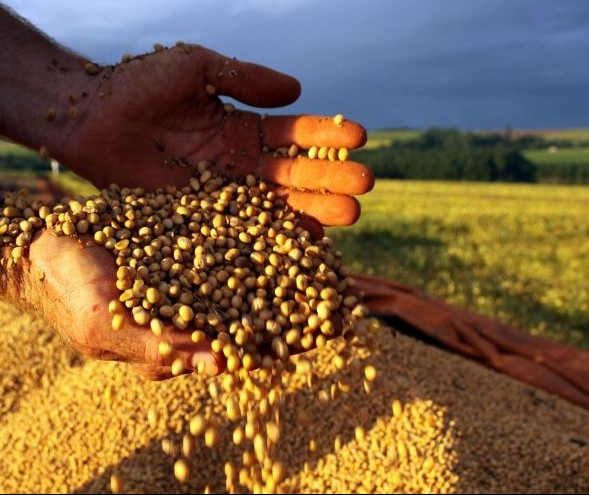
(556, 368)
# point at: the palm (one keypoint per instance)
(77, 285)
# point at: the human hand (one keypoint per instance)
(71, 284)
(149, 121)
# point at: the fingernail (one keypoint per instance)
(205, 362)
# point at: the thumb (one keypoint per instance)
(251, 83)
(177, 344)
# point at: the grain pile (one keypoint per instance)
(225, 261)
(433, 422)
(360, 411)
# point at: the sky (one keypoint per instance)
(470, 64)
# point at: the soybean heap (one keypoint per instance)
(228, 262)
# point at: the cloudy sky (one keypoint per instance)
(473, 64)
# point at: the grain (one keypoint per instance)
(181, 470)
(116, 484)
(338, 120)
(92, 69)
(425, 427)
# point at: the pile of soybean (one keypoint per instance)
(225, 261)
(358, 411)
(433, 422)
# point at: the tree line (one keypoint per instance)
(448, 154)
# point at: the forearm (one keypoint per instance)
(44, 88)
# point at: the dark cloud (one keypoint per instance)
(466, 63)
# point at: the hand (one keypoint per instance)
(72, 284)
(151, 120)
(148, 122)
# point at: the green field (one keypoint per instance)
(67, 179)
(386, 137)
(561, 156)
(14, 149)
(566, 163)
(519, 253)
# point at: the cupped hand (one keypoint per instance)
(72, 284)
(149, 121)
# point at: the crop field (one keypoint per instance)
(519, 253)
(15, 149)
(559, 156)
(386, 137)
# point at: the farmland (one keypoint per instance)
(579, 154)
(386, 136)
(555, 157)
(519, 253)
(558, 156)
(561, 156)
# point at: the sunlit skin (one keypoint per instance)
(148, 122)
(77, 285)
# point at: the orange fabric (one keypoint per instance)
(556, 368)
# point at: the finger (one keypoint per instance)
(251, 83)
(327, 209)
(301, 172)
(145, 345)
(311, 130)
(312, 226)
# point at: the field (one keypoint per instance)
(566, 163)
(67, 179)
(385, 137)
(6, 148)
(519, 253)
(562, 156)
